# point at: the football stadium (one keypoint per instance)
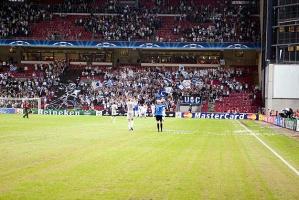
(149, 99)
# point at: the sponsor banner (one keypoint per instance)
(204, 115)
(106, 113)
(7, 110)
(290, 124)
(170, 114)
(66, 112)
(252, 116)
(178, 115)
(269, 119)
(261, 117)
(132, 44)
(62, 112)
(99, 113)
(19, 111)
(191, 100)
(84, 112)
(187, 115)
(56, 112)
(279, 121)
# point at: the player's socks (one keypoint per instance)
(161, 126)
(158, 127)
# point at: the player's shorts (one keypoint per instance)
(159, 118)
(130, 115)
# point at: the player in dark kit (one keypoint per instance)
(159, 110)
(26, 107)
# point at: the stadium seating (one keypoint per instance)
(208, 21)
(242, 102)
(222, 90)
(150, 20)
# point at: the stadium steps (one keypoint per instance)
(71, 75)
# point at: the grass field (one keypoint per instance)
(85, 157)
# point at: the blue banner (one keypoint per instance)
(7, 110)
(279, 121)
(132, 44)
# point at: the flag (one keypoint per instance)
(162, 93)
(96, 84)
(168, 90)
(167, 81)
(181, 87)
(12, 68)
(181, 67)
(186, 83)
(185, 74)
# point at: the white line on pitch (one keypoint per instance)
(272, 150)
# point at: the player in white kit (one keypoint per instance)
(113, 111)
(153, 110)
(130, 113)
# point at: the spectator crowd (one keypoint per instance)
(190, 21)
(101, 86)
(45, 86)
(16, 19)
(105, 86)
(130, 25)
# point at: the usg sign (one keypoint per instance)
(193, 100)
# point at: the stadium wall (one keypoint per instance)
(282, 83)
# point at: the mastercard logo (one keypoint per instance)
(187, 115)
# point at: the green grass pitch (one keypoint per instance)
(88, 157)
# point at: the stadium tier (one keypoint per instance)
(213, 21)
(121, 72)
(96, 87)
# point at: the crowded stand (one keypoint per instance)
(130, 25)
(188, 59)
(16, 20)
(97, 87)
(213, 21)
(34, 81)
